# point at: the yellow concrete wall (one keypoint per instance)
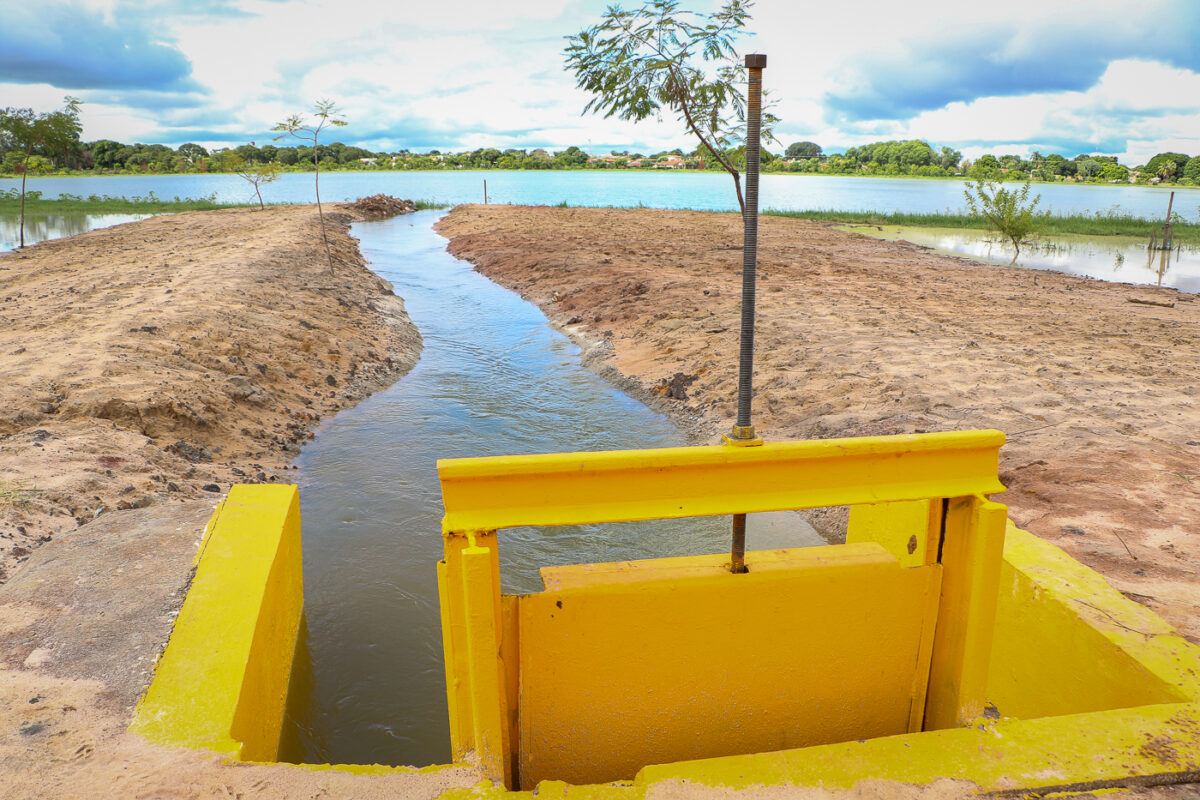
(221, 684)
(1067, 643)
(635, 663)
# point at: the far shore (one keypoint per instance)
(1097, 224)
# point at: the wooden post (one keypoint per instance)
(1167, 228)
(485, 192)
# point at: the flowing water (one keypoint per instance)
(1120, 259)
(494, 378)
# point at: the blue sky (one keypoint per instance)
(1119, 77)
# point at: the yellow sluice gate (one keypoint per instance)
(613, 667)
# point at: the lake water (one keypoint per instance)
(494, 379)
(1120, 259)
(710, 191)
(40, 227)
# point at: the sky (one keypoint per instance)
(1115, 77)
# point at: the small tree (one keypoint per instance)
(1008, 211)
(256, 174)
(326, 115)
(48, 133)
(639, 63)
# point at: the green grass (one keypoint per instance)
(10, 203)
(1107, 223)
(35, 204)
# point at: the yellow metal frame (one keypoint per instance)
(669, 483)
(948, 474)
(1094, 690)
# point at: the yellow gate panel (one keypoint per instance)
(644, 662)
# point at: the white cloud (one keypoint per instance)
(478, 73)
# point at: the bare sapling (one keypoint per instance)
(325, 114)
(257, 174)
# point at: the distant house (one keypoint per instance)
(671, 162)
(637, 162)
(367, 160)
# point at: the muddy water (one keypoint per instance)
(1121, 259)
(493, 379)
(40, 227)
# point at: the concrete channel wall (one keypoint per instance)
(222, 682)
(1092, 689)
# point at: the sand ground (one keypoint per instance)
(147, 367)
(163, 360)
(145, 364)
(855, 336)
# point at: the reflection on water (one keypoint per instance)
(1121, 259)
(41, 227)
(493, 379)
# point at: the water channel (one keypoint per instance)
(494, 378)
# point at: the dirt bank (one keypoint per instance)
(1097, 394)
(163, 360)
(146, 367)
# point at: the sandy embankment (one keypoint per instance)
(1098, 395)
(143, 365)
(167, 359)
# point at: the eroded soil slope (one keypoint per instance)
(165, 359)
(1097, 394)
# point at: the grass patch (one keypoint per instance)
(35, 204)
(1108, 223)
(17, 492)
(10, 203)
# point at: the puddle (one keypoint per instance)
(41, 227)
(493, 379)
(1121, 259)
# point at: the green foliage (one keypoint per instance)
(1166, 165)
(40, 136)
(803, 150)
(256, 173)
(913, 153)
(1009, 211)
(659, 58)
(985, 168)
(1191, 170)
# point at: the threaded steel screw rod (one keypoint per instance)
(744, 429)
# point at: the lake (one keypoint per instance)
(709, 191)
(1119, 259)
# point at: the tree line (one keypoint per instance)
(914, 157)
